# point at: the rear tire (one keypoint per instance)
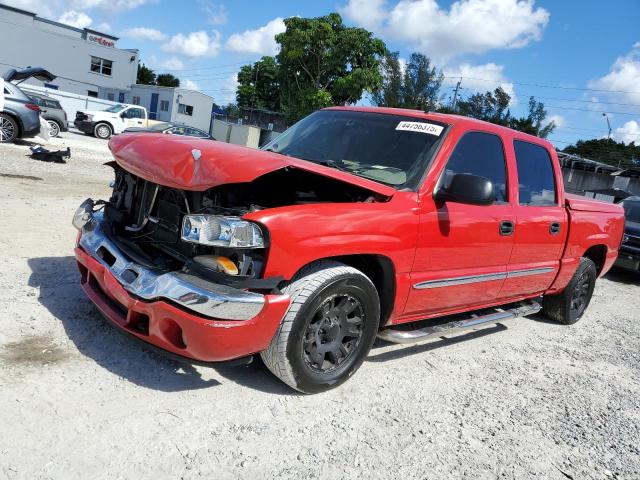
(103, 131)
(8, 129)
(328, 329)
(55, 128)
(569, 306)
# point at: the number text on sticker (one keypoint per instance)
(420, 127)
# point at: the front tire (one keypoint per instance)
(8, 129)
(103, 131)
(568, 306)
(328, 330)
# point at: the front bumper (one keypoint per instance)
(84, 126)
(182, 314)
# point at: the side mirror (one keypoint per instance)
(467, 188)
(123, 114)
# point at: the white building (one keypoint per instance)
(174, 104)
(86, 62)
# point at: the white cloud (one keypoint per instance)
(190, 84)
(144, 33)
(195, 44)
(112, 5)
(216, 12)
(623, 76)
(469, 26)
(260, 41)
(75, 19)
(629, 132)
(104, 27)
(172, 63)
(228, 91)
(559, 120)
(480, 78)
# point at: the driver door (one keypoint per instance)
(133, 117)
(463, 250)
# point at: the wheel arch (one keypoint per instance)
(380, 270)
(598, 255)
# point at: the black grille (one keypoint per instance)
(81, 116)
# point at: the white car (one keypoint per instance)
(104, 123)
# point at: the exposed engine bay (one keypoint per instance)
(147, 220)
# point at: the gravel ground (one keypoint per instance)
(527, 399)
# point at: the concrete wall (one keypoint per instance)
(202, 105)
(28, 40)
(246, 135)
(70, 102)
(577, 181)
(145, 92)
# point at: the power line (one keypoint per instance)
(539, 85)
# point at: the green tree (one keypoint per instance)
(167, 80)
(494, 107)
(533, 122)
(608, 151)
(489, 106)
(146, 76)
(417, 87)
(258, 85)
(323, 62)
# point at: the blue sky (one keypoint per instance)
(586, 52)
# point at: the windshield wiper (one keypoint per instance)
(331, 163)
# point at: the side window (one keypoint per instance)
(536, 182)
(481, 154)
(134, 113)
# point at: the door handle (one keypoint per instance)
(554, 228)
(506, 227)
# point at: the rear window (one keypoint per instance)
(536, 181)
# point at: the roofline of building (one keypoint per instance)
(18, 10)
(140, 85)
(59, 24)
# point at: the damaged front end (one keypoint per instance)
(194, 248)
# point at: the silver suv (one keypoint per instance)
(52, 112)
(21, 116)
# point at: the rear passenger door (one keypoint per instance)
(541, 222)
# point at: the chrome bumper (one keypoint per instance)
(191, 292)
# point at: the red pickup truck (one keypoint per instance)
(354, 223)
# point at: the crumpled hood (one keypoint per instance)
(189, 163)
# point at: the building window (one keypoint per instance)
(111, 97)
(91, 93)
(164, 105)
(185, 109)
(136, 100)
(101, 66)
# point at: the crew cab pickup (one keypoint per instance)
(354, 223)
(115, 119)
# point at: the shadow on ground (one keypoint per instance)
(623, 276)
(60, 293)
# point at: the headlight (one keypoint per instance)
(89, 118)
(83, 214)
(221, 231)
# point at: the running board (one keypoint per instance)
(412, 336)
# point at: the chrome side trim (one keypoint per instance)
(193, 293)
(448, 282)
(486, 277)
(529, 271)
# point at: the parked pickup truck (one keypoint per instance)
(115, 119)
(355, 222)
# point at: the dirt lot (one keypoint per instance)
(527, 399)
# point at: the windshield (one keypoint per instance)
(159, 126)
(116, 108)
(632, 210)
(389, 149)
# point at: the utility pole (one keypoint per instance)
(608, 125)
(455, 94)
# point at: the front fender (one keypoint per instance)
(302, 234)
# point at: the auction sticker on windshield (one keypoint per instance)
(421, 127)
